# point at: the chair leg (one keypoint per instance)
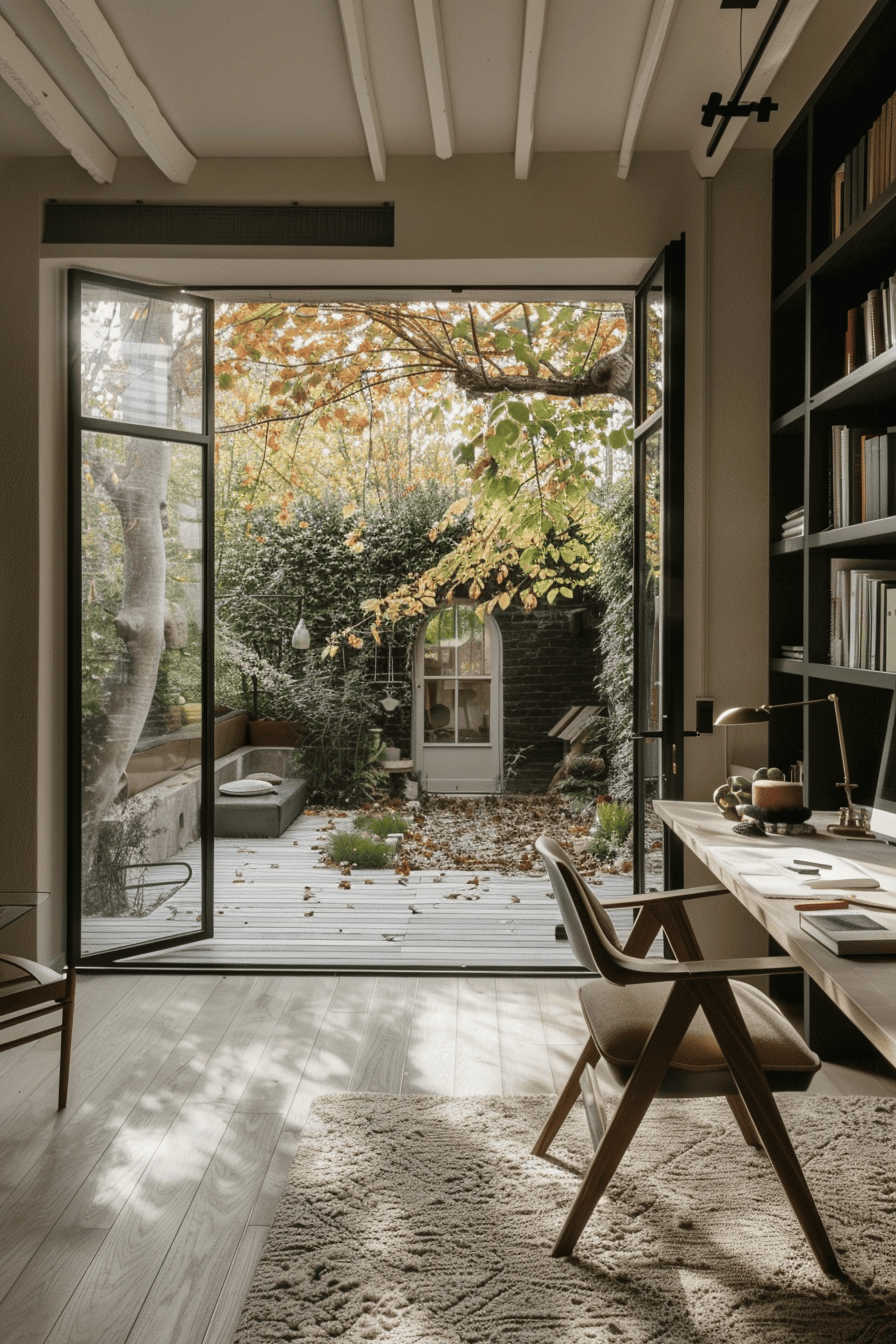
(640, 1090)
(566, 1099)
(744, 1123)
(65, 1046)
(720, 1006)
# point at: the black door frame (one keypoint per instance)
(78, 423)
(669, 421)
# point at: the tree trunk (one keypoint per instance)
(138, 491)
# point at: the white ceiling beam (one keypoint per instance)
(435, 72)
(533, 36)
(106, 58)
(779, 46)
(359, 65)
(654, 42)
(24, 73)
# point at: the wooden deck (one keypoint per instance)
(277, 906)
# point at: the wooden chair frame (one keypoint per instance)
(54, 993)
(694, 983)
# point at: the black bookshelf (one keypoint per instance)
(816, 279)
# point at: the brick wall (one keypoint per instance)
(549, 663)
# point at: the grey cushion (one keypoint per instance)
(620, 1018)
(243, 787)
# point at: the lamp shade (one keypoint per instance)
(301, 636)
(731, 718)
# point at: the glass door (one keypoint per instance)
(658, 563)
(140, 696)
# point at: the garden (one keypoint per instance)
(374, 463)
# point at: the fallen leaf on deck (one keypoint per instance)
(345, 886)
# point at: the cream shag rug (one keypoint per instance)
(426, 1220)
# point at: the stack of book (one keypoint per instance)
(866, 172)
(863, 614)
(862, 481)
(792, 651)
(871, 328)
(794, 524)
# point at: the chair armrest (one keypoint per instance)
(746, 966)
(659, 897)
(33, 969)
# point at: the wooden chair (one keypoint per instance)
(56, 993)
(681, 1026)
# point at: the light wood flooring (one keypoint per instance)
(277, 906)
(138, 1214)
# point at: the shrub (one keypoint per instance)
(389, 824)
(341, 748)
(600, 846)
(614, 553)
(615, 820)
(361, 850)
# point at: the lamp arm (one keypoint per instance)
(847, 782)
(794, 704)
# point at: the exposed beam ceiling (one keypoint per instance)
(435, 72)
(339, 79)
(24, 73)
(106, 58)
(533, 36)
(654, 42)
(359, 64)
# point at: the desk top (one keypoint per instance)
(864, 988)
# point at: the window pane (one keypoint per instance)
(440, 645)
(473, 704)
(439, 718)
(654, 363)
(141, 359)
(474, 644)
(649, 551)
(141, 697)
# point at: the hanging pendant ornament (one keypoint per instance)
(389, 703)
(301, 636)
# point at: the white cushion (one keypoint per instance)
(246, 786)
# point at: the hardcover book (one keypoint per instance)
(851, 933)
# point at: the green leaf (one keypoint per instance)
(519, 411)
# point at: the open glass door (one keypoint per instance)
(141, 421)
(658, 563)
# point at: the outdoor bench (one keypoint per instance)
(261, 814)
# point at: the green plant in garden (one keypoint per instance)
(583, 780)
(123, 840)
(611, 735)
(341, 748)
(600, 846)
(615, 820)
(388, 824)
(362, 851)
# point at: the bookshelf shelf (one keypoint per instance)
(816, 280)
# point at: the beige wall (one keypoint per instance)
(468, 220)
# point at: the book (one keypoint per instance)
(887, 473)
(851, 933)
(853, 355)
(888, 634)
(872, 313)
(837, 201)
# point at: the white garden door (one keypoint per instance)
(457, 702)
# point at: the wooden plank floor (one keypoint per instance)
(138, 1214)
(277, 905)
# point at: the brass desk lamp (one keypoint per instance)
(851, 825)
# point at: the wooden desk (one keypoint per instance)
(863, 988)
